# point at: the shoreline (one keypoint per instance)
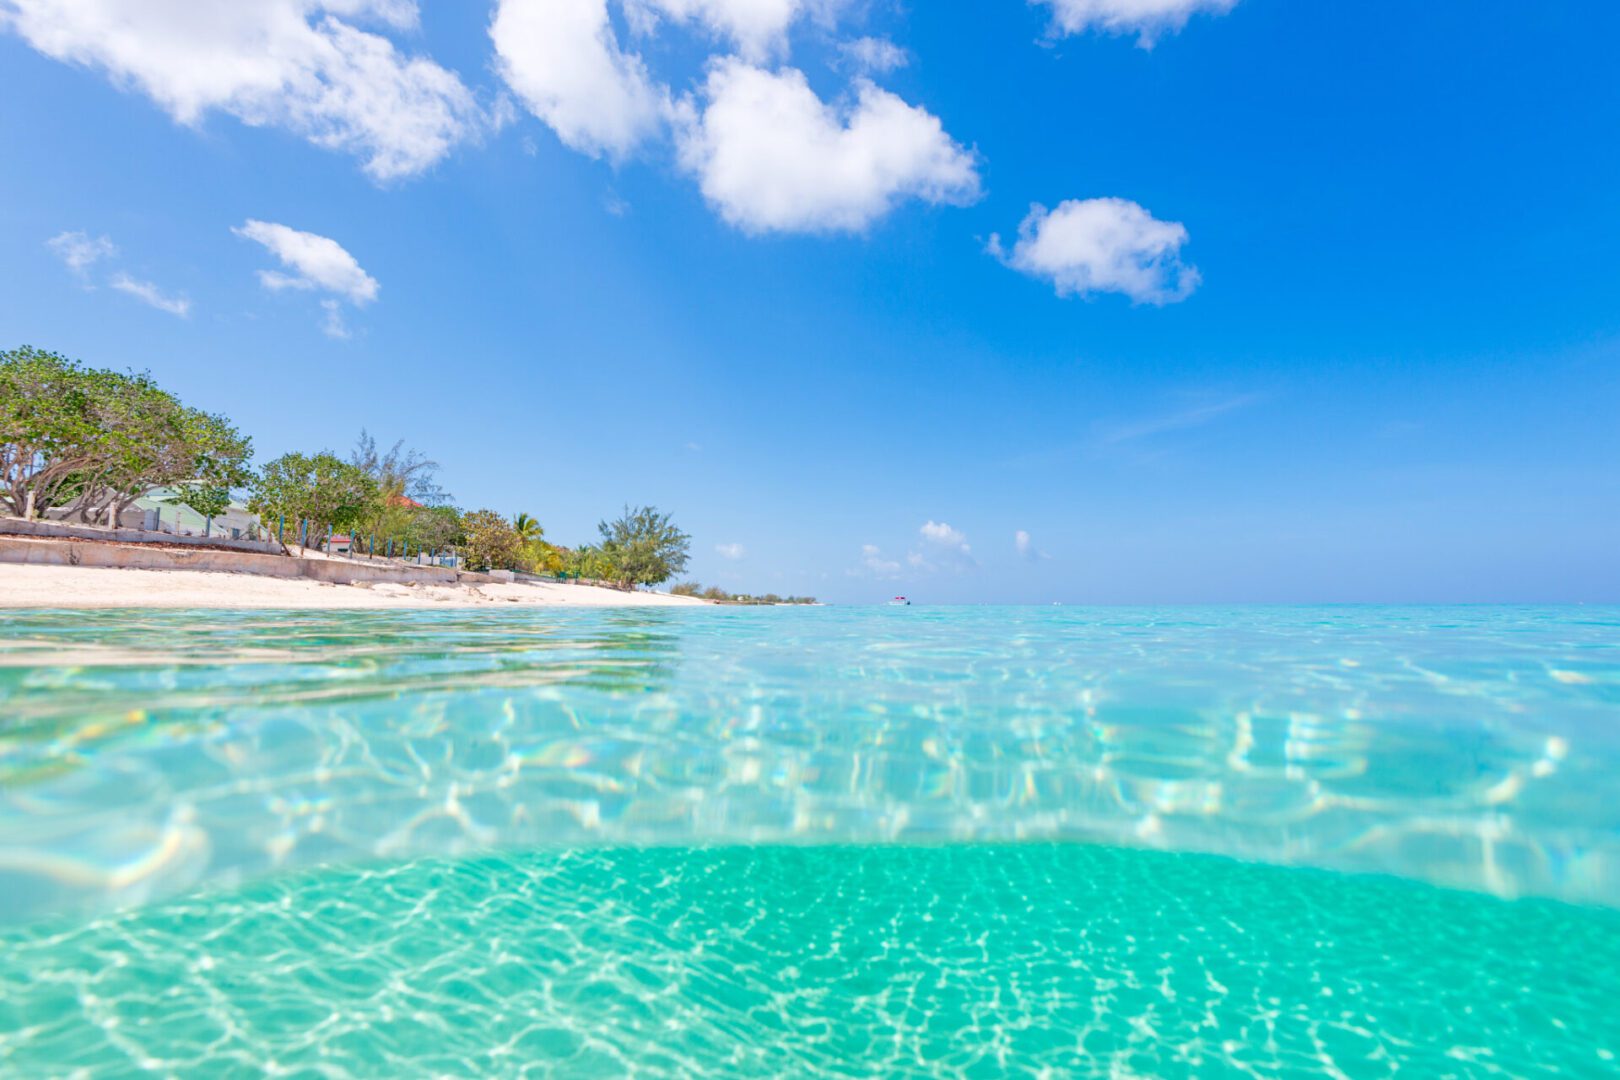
(26, 586)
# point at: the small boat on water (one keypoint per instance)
(899, 601)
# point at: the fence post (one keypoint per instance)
(281, 531)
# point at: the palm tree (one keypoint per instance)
(528, 529)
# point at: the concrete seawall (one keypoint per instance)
(61, 530)
(144, 556)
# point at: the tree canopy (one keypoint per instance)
(400, 472)
(322, 489)
(643, 547)
(91, 441)
(490, 542)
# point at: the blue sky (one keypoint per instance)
(1324, 303)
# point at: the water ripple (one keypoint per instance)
(142, 753)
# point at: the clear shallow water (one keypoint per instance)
(938, 808)
(960, 960)
(142, 753)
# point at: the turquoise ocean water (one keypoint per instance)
(981, 842)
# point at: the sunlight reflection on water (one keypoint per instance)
(141, 753)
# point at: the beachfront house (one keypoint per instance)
(160, 510)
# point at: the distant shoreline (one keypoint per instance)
(29, 586)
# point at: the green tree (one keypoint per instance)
(643, 547)
(491, 543)
(435, 528)
(527, 528)
(207, 500)
(91, 441)
(322, 489)
(407, 485)
(590, 563)
(400, 471)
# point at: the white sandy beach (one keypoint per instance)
(33, 586)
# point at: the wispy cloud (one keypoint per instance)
(940, 548)
(148, 293)
(876, 564)
(873, 55)
(334, 325)
(79, 251)
(731, 551)
(1147, 19)
(1024, 545)
(1117, 434)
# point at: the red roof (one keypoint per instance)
(404, 500)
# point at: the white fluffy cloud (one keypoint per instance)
(941, 534)
(148, 293)
(731, 551)
(1147, 19)
(318, 262)
(79, 251)
(942, 548)
(1088, 246)
(771, 156)
(562, 58)
(294, 64)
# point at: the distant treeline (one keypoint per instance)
(719, 595)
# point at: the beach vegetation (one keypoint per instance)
(643, 547)
(725, 596)
(403, 475)
(88, 442)
(322, 490)
(433, 528)
(489, 542)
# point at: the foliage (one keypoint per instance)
(323, 489)
(547, 558)
(490, 542)
(206, 499)
(401, 473)
(408, 489)
(527, 528)
(434, 528)
(643, 547)
(719, 595)
(589, 563)
(91, 441)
